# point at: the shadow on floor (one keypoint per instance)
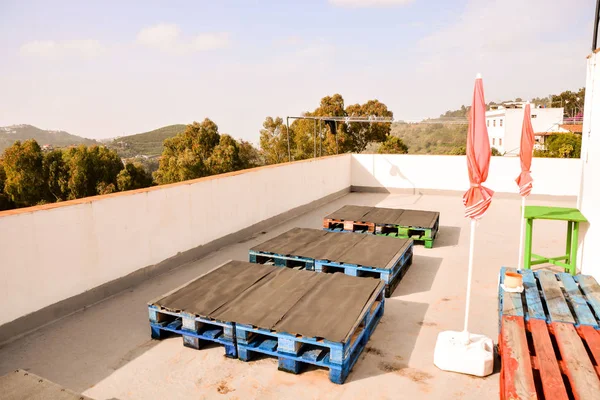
(447, 236)
(390, 348)
(419, 277)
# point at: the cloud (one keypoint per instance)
(369, 3)
(167, 37)
(85, 48)
(159, 36)
(518, 55)
(293, 40)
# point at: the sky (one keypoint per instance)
(103, 69)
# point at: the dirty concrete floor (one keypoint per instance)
(105, 351)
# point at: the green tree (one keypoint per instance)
(333, 106)
(23, 165)
(5, 203)
(462, 112)
(393, 145)
(338, 136)
(304, 137)
(92, 170)
(250, 156)
(56, 175)
(360, 133)
(571, 101)
(225, 156)
(458, 151)
(133, 176)
(273, 140)
(185, 155)
(564, 145)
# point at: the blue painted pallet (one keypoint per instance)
(281, 260)
(390, 276)
(553, 298)
(194, 329)
(293, 351)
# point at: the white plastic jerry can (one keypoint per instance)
(465, 353)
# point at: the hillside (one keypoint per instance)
(431, 138)
(147, 143)
(10, 134)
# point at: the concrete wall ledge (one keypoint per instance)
(436, 192)
(58, 258)
(35, 320)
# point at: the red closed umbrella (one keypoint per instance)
(524, 180)
(478, 198)
(461, 351)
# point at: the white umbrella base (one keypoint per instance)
(452, 353)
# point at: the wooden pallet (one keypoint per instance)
(293, 351)
(553, 298)
(549, 338)
(391, 277)
(425, 236)
(548, 361)
(281, 260)
(348, 226)
(193, 328)
(421, 226)
(351, 255)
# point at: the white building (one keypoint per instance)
(505, 122)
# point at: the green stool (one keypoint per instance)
(573, 217)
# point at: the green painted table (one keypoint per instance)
(573, 217)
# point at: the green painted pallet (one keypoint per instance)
(424, 235)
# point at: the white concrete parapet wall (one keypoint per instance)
(552, 176)
(589, 200)
(53, 252)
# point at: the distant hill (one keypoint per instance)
(147, 143)
(10, 134)
(431, 138)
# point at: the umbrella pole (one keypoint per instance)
(522, 229)
(469, 278)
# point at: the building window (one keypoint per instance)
(488, 123)
(493, 141)
(494, 122)
(500, 122)
(499, 142)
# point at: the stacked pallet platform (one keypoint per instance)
(549, 340)
(311, 334)
(356, 255)
(421, 226)
(252, 308)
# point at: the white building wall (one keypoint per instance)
(512, 136)
(495, 120)
(54, 252)
(589, 201)
(543, 120)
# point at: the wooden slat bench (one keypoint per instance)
(549, 339)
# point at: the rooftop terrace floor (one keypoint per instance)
(105, 351)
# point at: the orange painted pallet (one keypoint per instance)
(548, 361)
